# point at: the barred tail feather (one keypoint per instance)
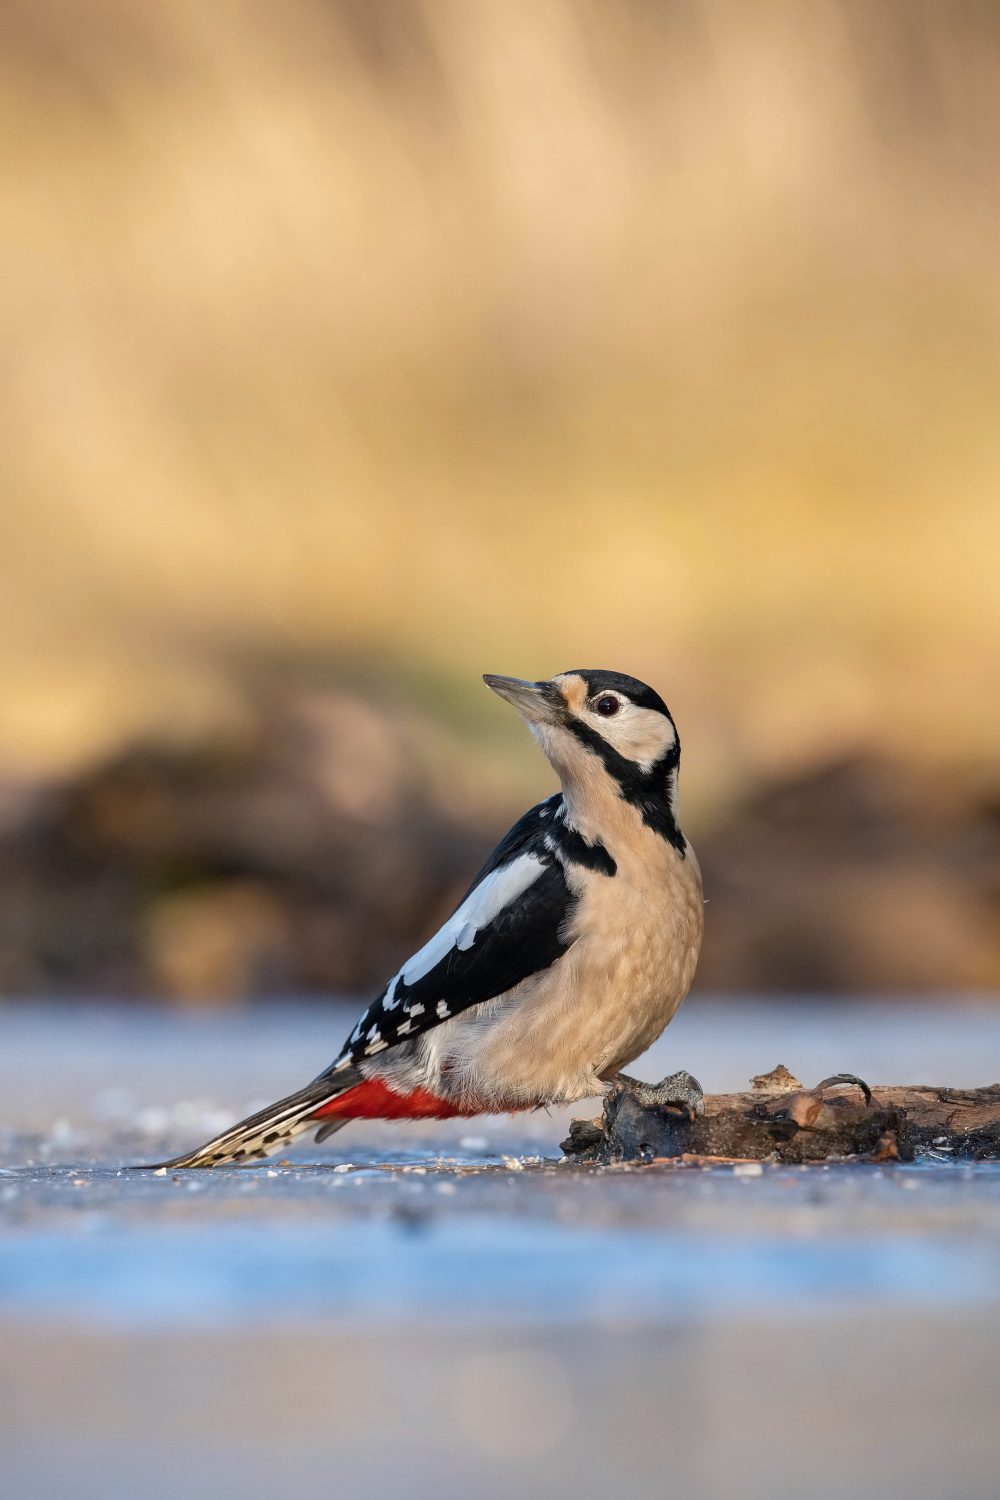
(272, 1128)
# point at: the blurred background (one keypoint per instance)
(352, 348)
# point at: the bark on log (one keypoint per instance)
(780, 1120)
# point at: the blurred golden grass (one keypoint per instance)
(456, 336)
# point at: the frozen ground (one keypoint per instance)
(478, 1320)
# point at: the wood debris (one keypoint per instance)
(779, 1120)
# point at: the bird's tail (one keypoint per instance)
(272, 1128)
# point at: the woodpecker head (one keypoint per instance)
(590, 722)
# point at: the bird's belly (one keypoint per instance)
(562, 1033)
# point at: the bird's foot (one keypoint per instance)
(680, 1093)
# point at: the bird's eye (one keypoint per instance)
(607, 706)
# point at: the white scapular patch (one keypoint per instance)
(375, 1047)
(478, 910)
(415, 1010)
(442, 1010)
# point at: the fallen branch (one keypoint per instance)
(780, 1120)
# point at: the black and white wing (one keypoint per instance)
(510, 924)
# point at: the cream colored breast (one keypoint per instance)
(636, 941)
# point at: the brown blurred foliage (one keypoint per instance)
(317, 855)
(306, 859)
(446, 337)
(861, 875)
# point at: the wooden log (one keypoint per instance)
(780, 1120)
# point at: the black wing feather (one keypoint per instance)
(524, 937)
(526, 837)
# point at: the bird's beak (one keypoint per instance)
(538, 702)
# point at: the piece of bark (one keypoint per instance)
(777, 1081)
(963, 1122)
(837, 1121)
(584, 1135)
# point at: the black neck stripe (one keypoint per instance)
(571, 843)
(649, 791)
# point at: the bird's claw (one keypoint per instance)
(680, 1092)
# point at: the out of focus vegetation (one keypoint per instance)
(377, 343)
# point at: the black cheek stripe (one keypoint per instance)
(648, 791)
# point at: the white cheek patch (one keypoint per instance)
(639, 734)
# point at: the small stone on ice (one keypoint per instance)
(160, 1172)
(748, 1169)
(344, 1167)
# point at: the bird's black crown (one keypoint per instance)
(599, 681)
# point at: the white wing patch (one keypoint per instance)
(479, 909)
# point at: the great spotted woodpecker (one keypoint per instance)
(567, 957)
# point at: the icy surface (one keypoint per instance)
(467, 1248)
(460, 1219)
